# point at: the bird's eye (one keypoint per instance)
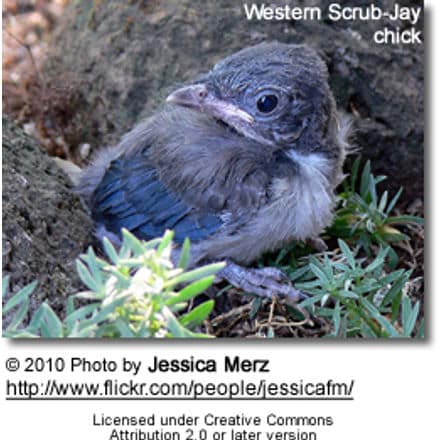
(267, 103)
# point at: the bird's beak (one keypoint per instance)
(198, 97)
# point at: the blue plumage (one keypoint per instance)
(131, 196)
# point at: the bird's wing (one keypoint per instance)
(131, 196)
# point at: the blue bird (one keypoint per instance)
(242, 161)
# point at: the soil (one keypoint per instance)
(45, 226)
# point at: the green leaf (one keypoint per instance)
(403, 219)
(312, 300)
(396, 287)
(255, 306)
(90, 296)
(367, 332)
(392, 235)
(336, 318)
(296, 313)
(110, 250)
(36, 320)
(86, 276)
(383, 202)
(5, 285)
(348, 294)
(210, 269)
(70, 304)
(152, 244)
(327, 267)
(191, 291)
(347, 253)
(105, 312)
(378, 261)
(136, 246)
(392, 277)
(308, 285)
(94, 266)
(123, 329)
(196, 316)
(52, 326)
(379, 179)
(20, 296)
(19, 315)
(393, 201)
(175, 327)
(123, 279)
(80, 314)
(184, 254)
(409, 316)
(372, 190)
(386, 325)
(320, 274)
(365, 180)
(281, 254)
(393, 258)
(165, 242)
(299, 273)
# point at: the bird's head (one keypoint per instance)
(274, 93)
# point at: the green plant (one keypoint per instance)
(133, 295)
(358, 297)
(364, 217)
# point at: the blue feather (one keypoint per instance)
(131, 196)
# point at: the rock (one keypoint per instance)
(45, 226)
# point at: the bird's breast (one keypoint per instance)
(303, 204)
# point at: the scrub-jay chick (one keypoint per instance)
(242, 161)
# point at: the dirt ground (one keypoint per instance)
(27, 26)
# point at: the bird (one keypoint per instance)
(242, 160)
